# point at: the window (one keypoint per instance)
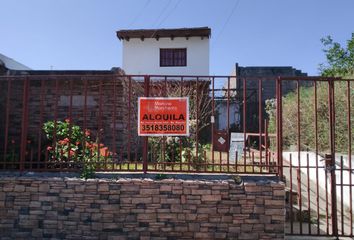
(173, 57)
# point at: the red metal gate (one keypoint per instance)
(297, 128)
(98, 112)
(315, 144)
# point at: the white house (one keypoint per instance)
(183, 51)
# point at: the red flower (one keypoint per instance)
(77, 143)
(66, 140)
(87, 133)
(104, 151)
(67, 120)
(49, 148)
(71, 153)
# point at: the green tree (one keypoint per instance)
(340, 60)
(339, 63)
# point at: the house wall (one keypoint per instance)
(143, 57)
(269, 76)
(141, 208)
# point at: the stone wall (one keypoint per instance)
(269, 75)
(140, 208)
(252, 75)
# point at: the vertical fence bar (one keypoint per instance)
(291, 195)
(341, 194)
(180, 139)
(299, 190)
(213, 123)
(145, 138)
(236, 159)
(24, 125)
(326, 198)
(41, 111)
(85, 114)
(164, 138)
(299, 152)
(85, 102)
(165, 93)
(244, 123)
(114, 81)
(29, 149)
(70, 117)
(71, 103)
(7, 114)
(197, 124)
(316, 151)
(56, 119)
(260, 120)
(333, 163)
(237, 110)
(279, 120)
(100, 128)
(308, 193)
(129, 115)
(163, 151)
(228, 122)
(267, 159)
(350, 157)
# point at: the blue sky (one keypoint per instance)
(80, 34)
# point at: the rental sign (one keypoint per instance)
(159, 116)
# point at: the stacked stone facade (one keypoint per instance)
(126, 208)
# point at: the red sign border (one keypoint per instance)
(164, 134)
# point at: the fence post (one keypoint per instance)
(279, 129)
(331, 157)
(145, 138)
(24, 123)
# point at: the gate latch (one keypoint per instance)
(328, 163)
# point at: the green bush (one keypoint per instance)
(307, 118)
(70, 145)
(177, 149)
(339, 63)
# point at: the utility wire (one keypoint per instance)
(169, 13)
(227, 20)
(139, 13)
(162, 12)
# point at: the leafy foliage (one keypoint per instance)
(72, 146)
(340, 60)
(177, 149)
(340, 63)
